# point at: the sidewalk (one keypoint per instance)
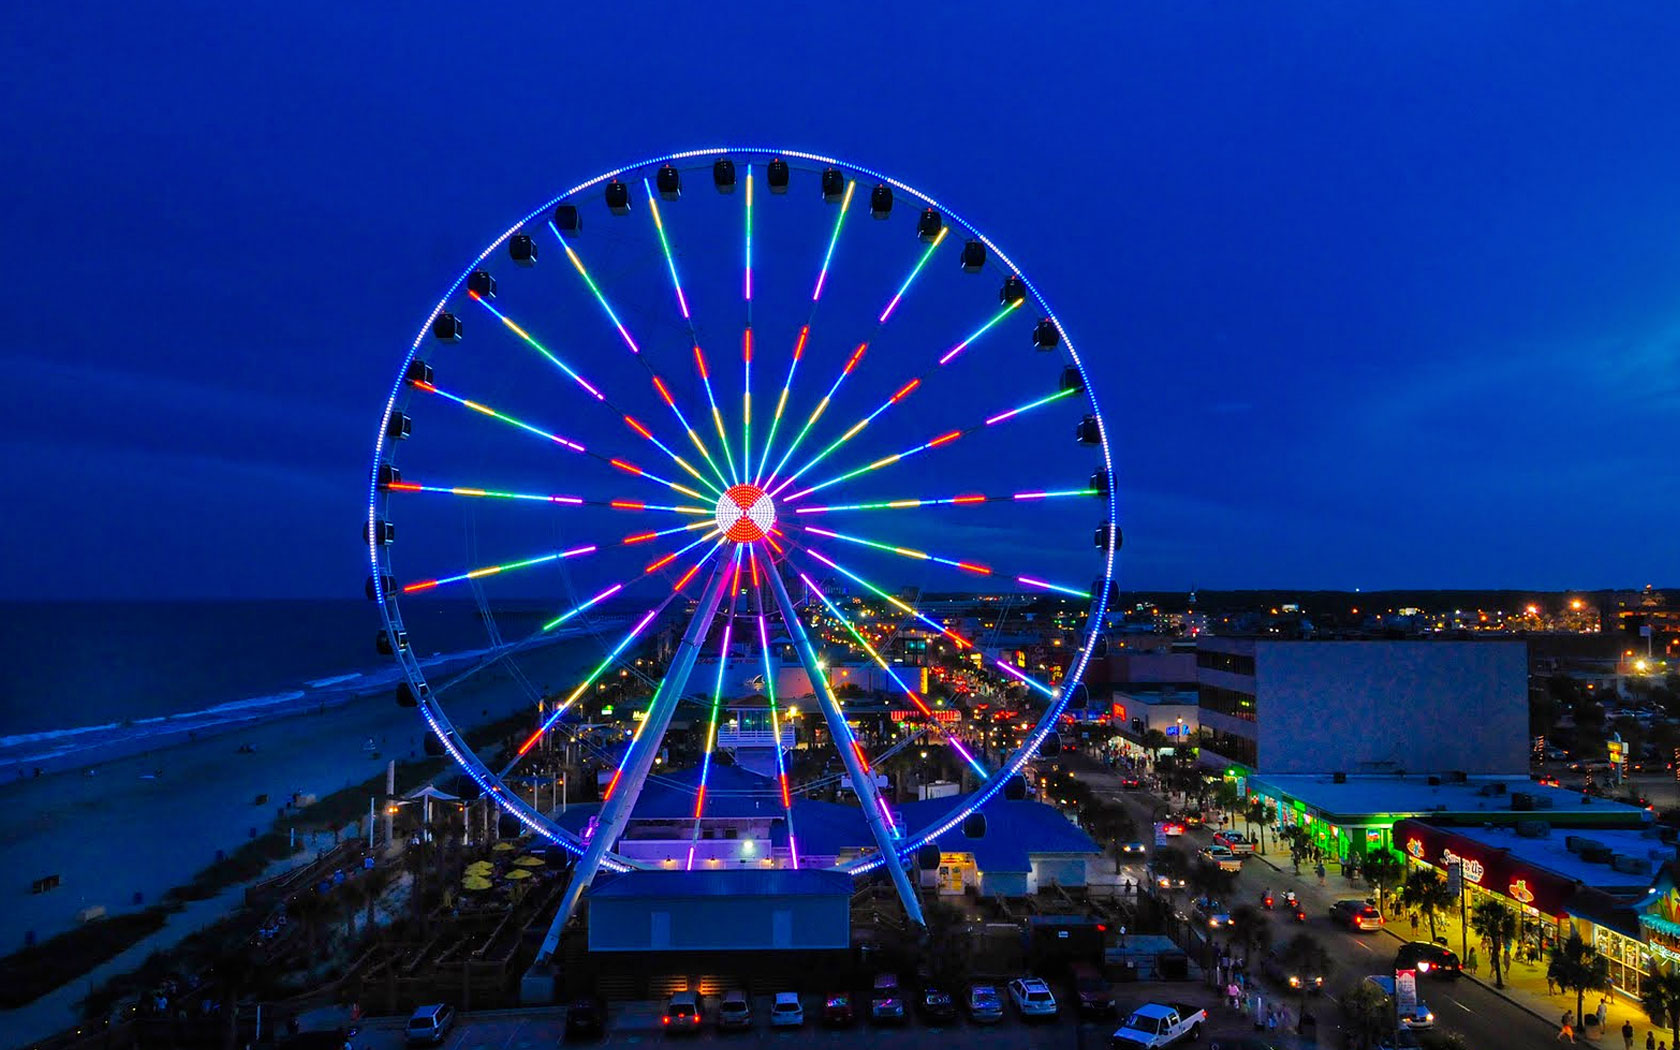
(1525, 983)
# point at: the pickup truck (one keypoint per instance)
(1158, 1025)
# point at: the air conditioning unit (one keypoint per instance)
(1338, 778)
(1631, 865)
(1533, 829)
(1434, 782)
(1522, 800)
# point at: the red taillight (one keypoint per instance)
(665, 1020)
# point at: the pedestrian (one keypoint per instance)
(1567, 1031)
(1603, 1010)
(1319, 871)
(1627, 1035)
(1414, 918)
(1470, 961)
(1551, 985)
(1232, 995)
(1650, 1041)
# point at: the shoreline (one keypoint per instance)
(149, 820)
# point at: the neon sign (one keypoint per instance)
(1415, 848)
(1473, 869)
(1519, 891)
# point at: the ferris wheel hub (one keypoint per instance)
(745, 513)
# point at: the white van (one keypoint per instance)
(430, 1025)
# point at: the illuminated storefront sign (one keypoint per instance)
(1519, 891)
(1473, 869)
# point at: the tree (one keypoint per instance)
(233, 970)
(1306, 956)
(1256, 815)
(374, 884)
(1227, 796)
(1384, 872)
(1368, 1013)
(1661, 998)
(309, 910)
(1429, 893)
(1497, 927)
(1578, 967)
(1250, 930)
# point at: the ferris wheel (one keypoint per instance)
(749, 411)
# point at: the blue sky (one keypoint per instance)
(1371, 297)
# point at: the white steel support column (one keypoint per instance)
(615, 813)
(862, 783)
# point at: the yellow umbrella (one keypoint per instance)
(475, 884)
(481, 865)
(519, 873)
(530, 862)
(502, 847)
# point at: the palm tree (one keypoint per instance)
(1661, 998)
(1428, 893)
(1577, 966)
(374, 884)
(1497, 927)
(1384, 872)
(1256, 815)
(309, 909)
(1368, 1013)
(1227, 797)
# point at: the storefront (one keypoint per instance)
(1537, 897)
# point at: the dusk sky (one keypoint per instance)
(1372, 296)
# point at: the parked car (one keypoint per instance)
(682, 1013)
(1432, 960)
(1032, 997)
(586, 1018)
(1419, 1017)
(735, 1011)
(1356, 915)
(886, 1001)
(935, 1004)
(787, 1012)
(985, 1006)
(1091, 993)
(837, 1009)
(429, 1025)
(1235, 841)
(1222, 857)
(1287, 975)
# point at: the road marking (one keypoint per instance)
(1461, 1006)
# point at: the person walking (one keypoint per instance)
(1627, 1035)
(1650, 1041)
(1603, 1011)
(1567, 1031)
(1319, 871)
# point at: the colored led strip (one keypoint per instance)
(903, 392)
(938, 239)
(962, 643)
(717, 706)
(494, 570)
(717, 416)
(746, 401)
(781, 402)
(538, 347)
(572, 501)
(601, 668)
(915, 699)
(943, 439)
(747, 294)
(908, 504)
(775, 717)
(833, 239)
(648, 571)
(665, 244)
(966, 566)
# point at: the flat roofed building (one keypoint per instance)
(1367, 706)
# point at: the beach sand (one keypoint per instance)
(148, 822)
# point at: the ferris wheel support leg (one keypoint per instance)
(862, 783)
(637, 764)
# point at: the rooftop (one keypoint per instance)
(1474, 800)
(1552, 854)
(751, 882)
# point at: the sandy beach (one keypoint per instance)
(147, 822)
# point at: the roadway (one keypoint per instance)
(1483, 1017)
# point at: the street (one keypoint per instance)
(1483, 1017)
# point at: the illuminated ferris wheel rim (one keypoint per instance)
(753, 514)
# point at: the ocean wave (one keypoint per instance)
(57, 745)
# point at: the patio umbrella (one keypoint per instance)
(481, 865)
(531, 862)
(502, 847)
(519, 873)
(474, 884)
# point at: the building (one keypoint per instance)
(1294, 707)
(774, 909)
(1614, 887)
(1352, 815)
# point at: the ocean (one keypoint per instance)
(76, 674)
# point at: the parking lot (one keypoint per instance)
(640, 1023)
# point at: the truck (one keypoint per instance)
(1157, 1025)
